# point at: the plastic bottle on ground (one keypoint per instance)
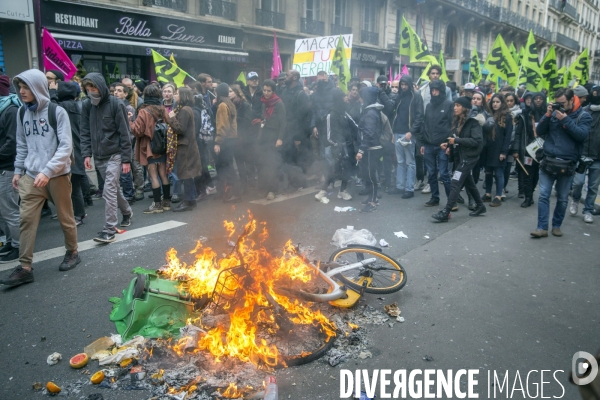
(271, 392)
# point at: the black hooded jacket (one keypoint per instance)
(322, 102)
(439, 114)
(370, 126)
(469, 141)
(65, 97)
(415, 108)
(105, 127)
(538, 112)
(298, 113)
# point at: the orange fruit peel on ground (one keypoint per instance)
(52, 387)
(97, 377)
(79, 360)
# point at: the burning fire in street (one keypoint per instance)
(247, 285)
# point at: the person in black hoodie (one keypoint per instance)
(370, 150)
(322, 103)
(464, 146)
(340, 141)
(298, 115)
(64, 94)
(407, 124)
(538, 106)
(436, 129)
(104, 133)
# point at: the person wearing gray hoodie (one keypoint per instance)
(42, 172)
(105, 135)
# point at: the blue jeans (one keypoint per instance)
(498, 172)
(593, 172)
(436, 161)
(127, 185)
(407, 168)
(563, 185)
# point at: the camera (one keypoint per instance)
(558, 107)
(584, 162)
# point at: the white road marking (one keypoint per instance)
(90, 244)
(303, 192)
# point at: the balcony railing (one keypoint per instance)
(340, 30)
(466, 54)
(436, 47)
(566, 41)
(568, 9)
(449, 51)
(312, 27)
(270, 18)
(597, 53)
(219, 8)
(482, 7)
(178, 5)
(369, 37)
(518, 21)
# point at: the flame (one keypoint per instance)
(232, 391)
(249, 297)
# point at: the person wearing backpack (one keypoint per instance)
(151, 118)
(42, 171)
(105, 135)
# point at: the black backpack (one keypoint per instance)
(51, 116)
(158, 144)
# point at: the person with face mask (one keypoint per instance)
(105, 135)
(407, 123)
(436, 130)
(590, 158)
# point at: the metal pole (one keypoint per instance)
(422, 25)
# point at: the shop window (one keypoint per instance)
(339, 12)
(419, 26)
(113, 68)
(312, 10)
(451, 41)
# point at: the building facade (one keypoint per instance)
(18, 44)
(223, 38)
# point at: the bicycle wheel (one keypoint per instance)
(385, 275)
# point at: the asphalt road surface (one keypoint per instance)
(480, 294)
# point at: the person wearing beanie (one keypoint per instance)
(225, 144)
(591, 168)
(582, 93)
(53, 75)
(464, 145)
(9, 198)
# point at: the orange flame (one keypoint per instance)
(251, 306)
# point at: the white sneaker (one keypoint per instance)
(320, 195)
(574, 207)
(418, 185)
(344, 195)
(427, 189)
(588, 218)
(271, 196)
(211, 190)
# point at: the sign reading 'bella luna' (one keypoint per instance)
(97, 21)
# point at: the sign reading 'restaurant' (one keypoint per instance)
(312, 55)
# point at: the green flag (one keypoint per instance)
(424, 77)
(531, 74)
(242, 77)
(520, 55)
(550, 72)
(513, 52)
(562, 72)
(167, 72)
(442, 63)
(411, 45)
(500, 63)
(339, 65)
(580, 69)
(475, 67)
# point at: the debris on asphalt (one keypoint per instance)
(343, 237)
(54, 358)
(97, 345)
(344, 209)
(363, 355)
(324, 200)
(79, 360)
(400, 235)
(189, 336)
(121, 354)
(37, 386)
(392, 310)
(400, 319)
(383, 243)
(428, 358)
(586, 234)
(426, 237)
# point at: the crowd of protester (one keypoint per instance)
(180, 145)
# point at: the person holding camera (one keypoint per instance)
(589, 162)
(564, 128)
